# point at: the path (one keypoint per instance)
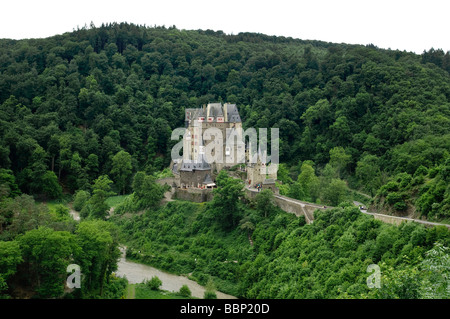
(396, 219)
(131, 292)
(74, 213)
(303, 206)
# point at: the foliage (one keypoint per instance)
(146, 194)
(287, 258)
(47, 254)
(121, 169)
(97, 103)
(154, 283)
(101, 190)
(143, 292)
(81, 197)
(73, 106)
(185, 291)
(98, 255)
(10, 258)
(225, 203)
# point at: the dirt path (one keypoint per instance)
(74, 213)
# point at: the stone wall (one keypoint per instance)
(193, 178)
(290, 205)
(193, 194)
(167, 180)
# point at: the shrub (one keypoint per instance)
(400, 206)
(418, 180)
(62, 211)
(154, 283)
(421, 171)
(209, 295)
(389, 187)
(185, 291)
(393, 198)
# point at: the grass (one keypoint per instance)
(131, 291)
(51, 204)
(113, 201)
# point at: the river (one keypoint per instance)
(136, 273)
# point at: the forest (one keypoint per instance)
(252, 249)
(88, 114)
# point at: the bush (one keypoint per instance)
(80, 199)
(400, 206)
(62, 211)
(393, 198)
(153, 283)
(185, 291)
(209, 295)
(421, 171)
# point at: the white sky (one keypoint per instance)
(397, 24)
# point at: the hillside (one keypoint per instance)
(71, 102)
(89, 114)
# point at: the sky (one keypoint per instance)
(396, 24)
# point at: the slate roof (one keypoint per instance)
(208, 180)
(233, 113)
(200, 165)
(194, 114)
(215, 109)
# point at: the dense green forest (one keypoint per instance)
(71, 103)
(89, 114)
(269, 253)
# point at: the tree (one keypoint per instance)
(48, 253)
(309, 182)
(121, 169)
(154, 283)
(99, 254)
(50, 185)
(226, 200)
(10, 258)
(436, 284)
(7, 178)
(339, 159)
(210, 292)
(335, 192)
(368, 172)
(147, 193)
(81, 197)
(101, 190)
(265, 202)
(23, 215)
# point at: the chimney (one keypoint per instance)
(208, 108)
(225, 114)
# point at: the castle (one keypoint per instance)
(213, 141)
